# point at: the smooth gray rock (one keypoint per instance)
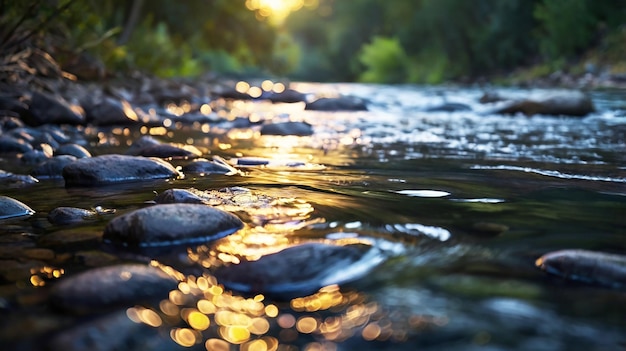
(110, 169)
(344, 103)
(10, 144)
(178, 196)
(205, 166)
(300, 270)
(12, 208)
(586, 266)
(75, 150)
(287, 96)
(46, 108)
(287, 128)
(108, 111)
(101, 289)
(171, 224)
(52, 167)
(68, 215)
(149, 147)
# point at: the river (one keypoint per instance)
(460, 205)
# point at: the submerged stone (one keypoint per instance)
(287, 128)
(12, 208)
(171, 224)
(586, 266)
(300, 270)
(109, 169)
(104, 288)
(173, 196)
(68, 215)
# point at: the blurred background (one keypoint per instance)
(383, 41)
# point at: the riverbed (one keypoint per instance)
(459, 204)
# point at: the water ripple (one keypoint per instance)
(551, 173)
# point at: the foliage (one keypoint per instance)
(385, 61)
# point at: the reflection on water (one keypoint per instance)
(454, 209)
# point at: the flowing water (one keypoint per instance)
(460, 205)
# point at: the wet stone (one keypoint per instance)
(575, 104)
(449, 107)
(300, 270)
(46, 108)
(287, 128)
(101, 289)
(171, 224)
(344, 103)
(109, 111)
(9, 144)
(16, 180)
(52, 167)
(75, 150)
(68, 215)
(9, 122)
(110, 169)
(150, 147)
(586, 266)
(287, 96)
(34, 157)
(11, 208)
(173, 196)
(204, 166)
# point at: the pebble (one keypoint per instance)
(171, 224)
(586, 266)
(11, 208)
(109, 169)
(300, 270)
(101, 289)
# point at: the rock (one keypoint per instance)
(14, 103)
(101, 289)
(111, 332)
(252, 161)
(149, 147)
(68, 215)
(300, 270)
(586, 266)
(171, 224)
(72, 150)
(557, 104)
(46, 108)
(287, 128)
(178, 196)
(34, 157)
(11, 208)
(110, 169)
(109, 111)
(7, 178)
(204, 166)
(287, 96)
(10, 122)
(52, 167)
(490, 97)
(344, 103)
(9, 144)
(449, 107)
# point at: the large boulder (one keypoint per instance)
(109, 169)
(171, 224)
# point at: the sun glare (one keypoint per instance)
(277, 10)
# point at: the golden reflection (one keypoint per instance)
(40, 275)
